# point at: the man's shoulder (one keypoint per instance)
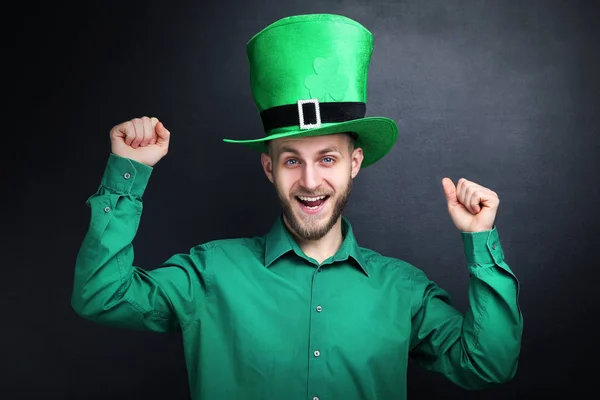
(236, 244)
(386, 264)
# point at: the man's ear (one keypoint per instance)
(267, 164)
(357, 158)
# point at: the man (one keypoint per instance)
(302, 312)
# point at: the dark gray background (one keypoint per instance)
(505, 93)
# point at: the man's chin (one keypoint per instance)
(309, 217)
(312, 223)
(310, 231)
(312, 226)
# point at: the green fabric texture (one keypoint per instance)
(259, 319)
(316, 56)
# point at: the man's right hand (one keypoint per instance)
(145, 140)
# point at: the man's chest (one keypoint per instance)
(295, 317)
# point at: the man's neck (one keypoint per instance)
(325, 247)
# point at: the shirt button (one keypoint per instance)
(319, 308)
(494, 246)
(106, 209)
(127, 175)
(317, 353)
(315, 398)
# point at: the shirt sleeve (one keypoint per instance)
(108, 288)
(481, 347)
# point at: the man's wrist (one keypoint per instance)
(126, 176)
(482, 248)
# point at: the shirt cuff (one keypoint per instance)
(126, 176)
(483, 248)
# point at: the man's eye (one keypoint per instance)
(291, 162)
(328, 160)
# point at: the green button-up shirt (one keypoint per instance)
(261, 320)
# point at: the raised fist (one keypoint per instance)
(145, 140)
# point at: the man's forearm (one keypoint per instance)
(103, 268)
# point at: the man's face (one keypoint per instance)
(313, 179)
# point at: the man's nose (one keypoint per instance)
(310, 177)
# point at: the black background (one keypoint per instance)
(505, 93)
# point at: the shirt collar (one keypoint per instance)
(279, 241)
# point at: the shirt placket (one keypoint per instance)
(317, 354)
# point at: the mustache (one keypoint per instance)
(311, 194)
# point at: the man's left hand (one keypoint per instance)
(472, 207)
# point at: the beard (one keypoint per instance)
(309, 227)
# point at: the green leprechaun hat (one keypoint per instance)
(308, 76)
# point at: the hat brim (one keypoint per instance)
(376, 136)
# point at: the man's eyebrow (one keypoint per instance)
(331, 149)
(287, 149)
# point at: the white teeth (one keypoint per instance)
(311, 198)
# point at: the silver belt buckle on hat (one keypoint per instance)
(303, 125)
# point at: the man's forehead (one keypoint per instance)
(310, 142)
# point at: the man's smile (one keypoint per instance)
(312, 204)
